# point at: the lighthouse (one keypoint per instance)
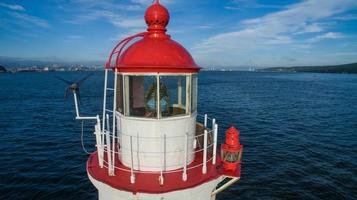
(150, 141)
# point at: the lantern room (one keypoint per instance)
(155, 96)
(156, 109)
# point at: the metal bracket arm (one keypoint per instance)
(77, 109)
(224, 186)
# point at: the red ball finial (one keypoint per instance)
(157, 17)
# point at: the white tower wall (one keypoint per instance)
(200, 192)
(144, 140)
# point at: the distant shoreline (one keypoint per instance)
(345, 68)
(340, 69)
(48, 69)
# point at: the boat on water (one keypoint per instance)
(150, 141)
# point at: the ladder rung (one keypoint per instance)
(108, 110)
(110, 89)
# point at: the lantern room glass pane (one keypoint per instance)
(194, 93)
(230, 157)
(142, 96)
(173, 93)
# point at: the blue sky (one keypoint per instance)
(216, 32)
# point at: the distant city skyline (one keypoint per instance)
(217, 33)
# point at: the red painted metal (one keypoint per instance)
(157, 17)
(121, 44)
(149, 182)
(231, 150)
(156, 52)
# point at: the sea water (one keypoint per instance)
(299, 132)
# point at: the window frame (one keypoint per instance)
(188, 90)
(119, 93)
(194, 96)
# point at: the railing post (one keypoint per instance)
(164, 152)
(204, 166)
(137, 151)
(99, 145)
(108, 126)
(109, 157)
(205, 121)
(161, 179)
(184, 173)
(215, 133)
(106, 131)
(132, 176)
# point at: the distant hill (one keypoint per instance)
(345, 68)
(2, 69)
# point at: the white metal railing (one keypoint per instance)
(110, 146)
(158, 172)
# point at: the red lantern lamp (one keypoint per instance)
(231, 150)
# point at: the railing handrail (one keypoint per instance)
(170, 152)
(158, 137)
(158, 172)
(200, 115)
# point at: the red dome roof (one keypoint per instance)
(156, 52)
(156, 55)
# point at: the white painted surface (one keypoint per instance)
(151, 152)
(201, 192)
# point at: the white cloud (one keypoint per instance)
(232, 8)
(110, 5)
(30, 19)
(75, 37)
(274, 31)
(329, 35)
(311, 28)
(141, 2)
(13, 6)
(148, 2)
(346, 17)
(342, 54)
(125, 34)
(205, 26)
(111, 17)
(84, 11)
(127, 22)
(240, 4)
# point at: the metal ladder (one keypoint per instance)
(110, 145)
